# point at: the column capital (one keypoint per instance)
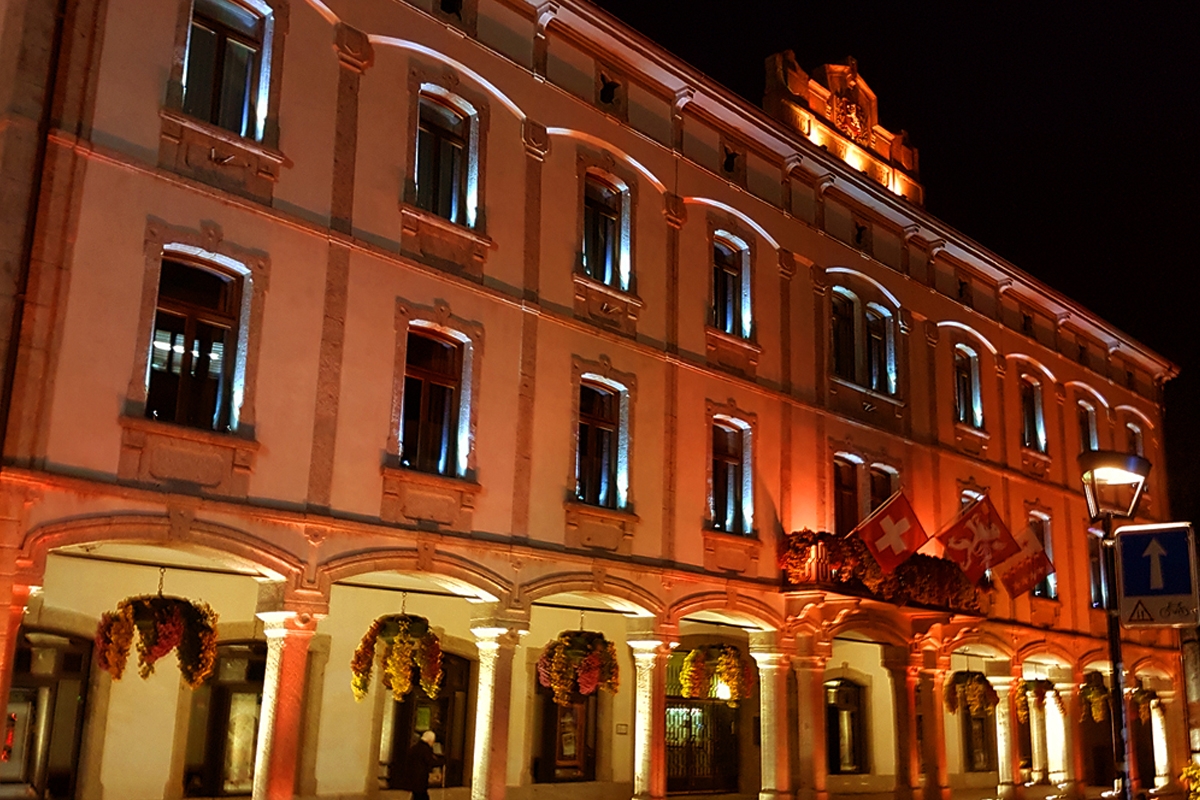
(287, 624)
(536, 139)
(674, 210)
(353, 48)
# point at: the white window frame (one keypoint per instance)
(471, 114)
(976, 410)
(861, 365)
(1040, 446)
(720, 416)
(742, 250)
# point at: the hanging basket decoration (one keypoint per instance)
(1142, 697)
(725, 663)
(1040, 689)
(1190, 777)
(409, 644)
(162, 624)
(1094, 695)
(977, 691)
(578, 661)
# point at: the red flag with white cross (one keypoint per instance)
(1025, 570)
(892, 533)
(978, 540)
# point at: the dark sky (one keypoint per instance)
(1062, 136)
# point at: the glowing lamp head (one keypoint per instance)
(1102, 469)
(723, 691)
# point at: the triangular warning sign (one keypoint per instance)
(1140, 613)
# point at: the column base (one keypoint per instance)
(774, 794)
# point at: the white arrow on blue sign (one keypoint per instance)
(1156, 576)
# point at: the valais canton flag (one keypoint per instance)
(978, 541)
(892, 533)
(1027, 569)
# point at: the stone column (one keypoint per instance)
(281, 720)
(937, 774)
(811, 780)
(1176, 733)
(904, 676)
(497, 643)
(649, 718)
(1071, 767)
(1037, 738)
(773, 724)
(1009, 786)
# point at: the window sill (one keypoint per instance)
(859, 402)
(598, 528)
(730, 351)
(971, 439)
(606, 305)
(428, 500)
(218, 157)
(1034, 462)
(731, 552)
(187, 459)
(1044, 611)
(441, 243)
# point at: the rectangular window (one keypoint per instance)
(194, 347)
(727, 455)
(443, 136)
(845, 495)
(405, 720)
(221, 78)
(979, 738)
(568, 751)
(727, 288)
(844, 728)
(596, 453)
(1095, 571)
(1048, 586)
(432, 388)
(883, 485)
(602, 204)
(877, 356)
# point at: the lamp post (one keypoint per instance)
(1106, 476)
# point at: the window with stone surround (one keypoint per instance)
(1039, 524)
(862, 342)
(845, 494)
(224, 75)
(1033, 425)
(432, 397)
(968, 397)
(731, 310)
(223, 724)
(194, 351)
(597, 454)
(731, 497)
(605, 224)
(1085, 414)
(845, 728)
(445, 169)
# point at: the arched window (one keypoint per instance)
(1039, 524)
(883, 482)
(443, 155)
(731, 311)
(862, 342)
(845, 729)
(429, 433)
(968, 399)
(1135, 443)
(846, 512)
(732, 498)
(194, 351)
(1033, 427)
(606, 231)
(1088, 436)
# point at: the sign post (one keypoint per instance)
(1156, 576)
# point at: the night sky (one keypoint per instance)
(1062, 136)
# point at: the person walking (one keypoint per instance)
(420, 762)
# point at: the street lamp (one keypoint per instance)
(1107, 478)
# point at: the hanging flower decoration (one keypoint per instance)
(578, 661)
(975, 689)
(1040, 689)
(1190, 776)
(846, 562)
(409, 644)
(1142, 697)
(162, 624)
(725, 663)
(1094, 695)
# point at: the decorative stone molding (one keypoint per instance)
(1035, 463)
(727, 552)
(731, 157)
(536, 139)
(439, 242)
(179, 458)
(731, 352)
(425, 236)
(427, 500)
(353, 48)
(611, 88)
(204, 246)
(593, 527)
(462, 14)
(971, 440)
(248, 166)
(606, 306)
(675, 210)
(1044, 612)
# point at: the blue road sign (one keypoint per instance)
(1156, 572)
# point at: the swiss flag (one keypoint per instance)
(892, 533)
(1026, 569)
(978, 540)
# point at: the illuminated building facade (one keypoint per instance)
(495, 313)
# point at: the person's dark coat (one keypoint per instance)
(417, 766)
